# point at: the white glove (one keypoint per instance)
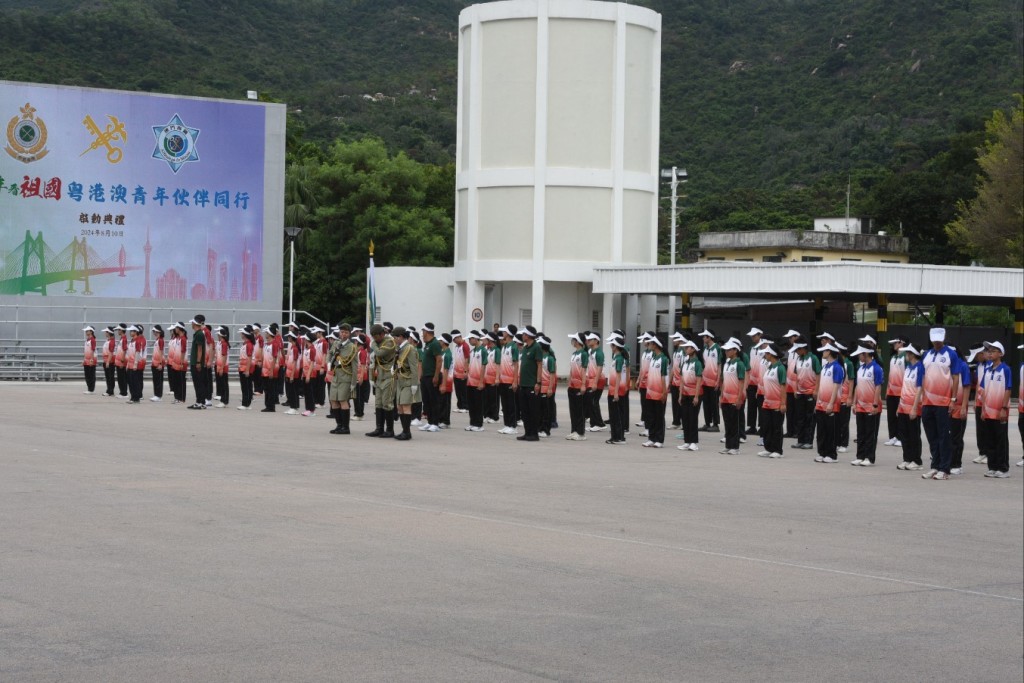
(415, 389)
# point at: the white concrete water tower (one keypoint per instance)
(557, 158)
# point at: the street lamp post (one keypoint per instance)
(675, 176)
(292, 232)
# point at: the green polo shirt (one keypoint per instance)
(431, 352)
(198, 347)
(528, 358)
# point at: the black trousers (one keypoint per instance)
(199, 384)
(805, 421)
(615, 418)
(209, 384)
(677, 411)
(90, 377)
(957, 427)
(752, 405)
(644, 417)
(771, 425)
(867, 435)
(998, 437)
(732, 416)
(491, 402)
(257, 380)
(690, 419)
(158, 382)
(122, 380)
(711, 416)
(790, 416)
(546, 407)
(135, 385)
(278, 384)
(843, 427)
(508, 404)
(594, 407)
(656, 424)
(576, 419)
(475, 403)
(892, 404)
(528, 410)
(245, 384)
(935, 421)
(108, 376)
(428, 396)
(826, 433)
(460, 394)
(291, 393)
(180, 385)
(910, 437)
(309, 395)
(222, 388)
(444, 408)
(270, 396)
(984, 447)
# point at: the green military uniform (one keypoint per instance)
(343, 357)
(407, 374)
(381, 372)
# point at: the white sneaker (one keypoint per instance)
(866, 463)
(415, 423)
(722, 440)
(218, 404)
(694, 447)
(291, 411)
(1001, 475)
(639, 424)
(902, 465)
(683, 447)
(898, 444)
(829, 460)
(990, 473)
(647, 444)
(489, 421)
(775, 455)
(957, 470)
(763, 454)
(209, 404)
(357, 418)
(1020, 464)
(724, 451)
(930, 473)
(432, 428)
(425, 427)
(856, 462)
(658, 444)
(243, 407)
(841, 449)
(913, 467)
(544, 435)
(890, 442)
(818, 458)
(154, 399)
(981, 460)
(476, 429)
(733, 451)
(760, 442)
(597, 429)
(743, 439)
(940, 476)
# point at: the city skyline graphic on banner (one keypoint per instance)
(125, 195)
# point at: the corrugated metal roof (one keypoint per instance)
(837, 279)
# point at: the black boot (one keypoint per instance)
(344, 414)
(405, 435)
(389, 425)
(379, 431)
(338, 421)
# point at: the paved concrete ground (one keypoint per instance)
(152, 543)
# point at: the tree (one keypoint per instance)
(990, 227)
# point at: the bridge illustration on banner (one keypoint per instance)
(39, 266)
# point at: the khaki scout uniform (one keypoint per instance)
(343, 357)
(381, 369)
(407, 375)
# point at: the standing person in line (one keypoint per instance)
(657, 394)
(258, 356)
(618, 392)
(909, 409)
(548, 384)
(791, 413)
(846, 398)
(246, 366)
(492, 401)
(733, 394)
(596, 381)
(268, 368)
(361, 389)
(958, 413)
(430, 383)
(691, 389)
(773, 403)
(382, 362)
(108, 359)
(407, 385)
(292, 372)
(344, 364)
(89, 358)
(742, 357)
(894, 388)
(755, 367)
(460, 370)
(712, 359)
(578, 362)
(321, 345)
(868, 406)
(675, 378)
(1020, 404)
(136, 363)
(158, 363)
(446, 387)
(980, 435)
(310, 364)
(528, 383)
(210, 358)
(475, 382)
(221, 350)
(177, 362)
(807, 369)
(826, 406)
(120, 355)
(508, 371)
(644, 348)
(941, 377)
(998, 385)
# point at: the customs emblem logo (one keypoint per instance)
(176, 143)
(26, 136)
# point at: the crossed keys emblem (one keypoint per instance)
(114, 132)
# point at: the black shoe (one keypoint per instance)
(340, 430)
(403, 437)
(526, 437)
(376, 432)
(752, 431)
(194, 406)
(387, 435)
(611, 441)
(705, 428)
(714, 428)
(267, 410)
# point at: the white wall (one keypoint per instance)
(413, 296)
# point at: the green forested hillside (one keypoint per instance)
(771, 105)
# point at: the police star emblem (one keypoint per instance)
(26, 136)
(176, 143)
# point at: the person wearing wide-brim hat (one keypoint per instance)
(109, 349)
(407, 389)
(158, 363)
(997, 386)
(909, 410)
(867, 405)
(89, 358)
(826, 408)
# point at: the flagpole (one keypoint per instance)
(371, 293)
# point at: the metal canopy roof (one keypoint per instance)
(828, 279)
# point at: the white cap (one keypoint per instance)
(825, 335)
(731, 344)
(642, 338)
(794, 347)
(937, 334)
(193, 321)
(974, 354)
(995, 345)
(615, 341)
(593, 337)
(691, 344)
(829, 347)
(88, 328)
(909, 348)
(1021, 346)
(868, 338)
(860, 349)
(655, 340)
(771, 349)
(792, 333)
(897, 340)
(705, 333)
(677, 336)
(755, 330)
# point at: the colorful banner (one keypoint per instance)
(115, 194)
